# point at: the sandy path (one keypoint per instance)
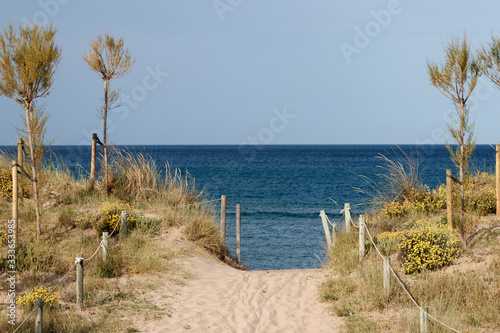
(222, 299)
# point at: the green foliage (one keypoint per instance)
(388, 242)
(428, 246)
(27, 300)
(456, 78)
(479, 193)
(417, 200)
(3, 238)
(66, 217)
(39, 255)
(148, 225)
(110, 268)
(5, 183)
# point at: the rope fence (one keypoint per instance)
(78, 260)
(424, 315)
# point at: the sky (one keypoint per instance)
(260, 72)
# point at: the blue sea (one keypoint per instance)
(282, 189)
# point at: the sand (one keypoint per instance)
(218, 298)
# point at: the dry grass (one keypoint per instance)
(465, 296)
(137, 180)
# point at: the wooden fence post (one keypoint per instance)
(14, 200)
(93, 161)
(20, 162)
(123, 227)
(497, 169)
(223, 206)
(449, 198)
(322, 214)
(238, 233)
(423, 319)
(387, 276)
(361, 237)
(105, 245)
(39, 315)
(347, 212)
(79, 280)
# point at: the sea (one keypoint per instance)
(283, 188)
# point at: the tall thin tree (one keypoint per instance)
(109, 58)
(489, 56)
(456, 78)
(28, 61)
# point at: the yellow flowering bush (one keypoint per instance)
(388, 242)
(110, 216)
(85, 221)
(479, 195)
(3, 238)
(428, 246)
(5, 183)
(27, 300)
(420, 200)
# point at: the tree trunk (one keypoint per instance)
(462, 171)
(31, 143)
(105, 128)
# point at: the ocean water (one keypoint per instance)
(282, 189)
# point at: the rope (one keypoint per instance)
(440, 322)
(403, 286)
(347, 212)
(371, 239)
(50, 293)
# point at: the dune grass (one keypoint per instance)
(153, 193)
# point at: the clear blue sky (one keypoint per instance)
(277, 72)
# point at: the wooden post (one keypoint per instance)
(79, 280)
(223, 206)
(449, 198)
(424, 319)
(238, 233)
(14, 199)
(326, 228)
(387, 276)
(347, 212)
(105, 245)
(361, 237)
(334, 235)
(39, 315)
(497, 169)
(20, 162)
(93, 161)
(123, 227)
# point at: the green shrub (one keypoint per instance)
(3, 238)
(428, 246)
(388, 242)
(419, 200)
(5, 183)
(148, 225)
(110, 268)
(66, 217)
(480, 194)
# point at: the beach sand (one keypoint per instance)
(218, 298)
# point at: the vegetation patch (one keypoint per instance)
(428, 246)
